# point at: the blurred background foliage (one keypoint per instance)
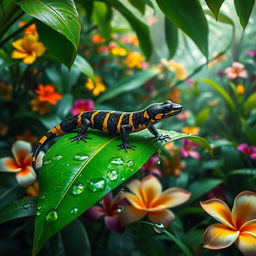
(124, 55)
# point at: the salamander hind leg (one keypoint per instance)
(125, 145)
(80, 136)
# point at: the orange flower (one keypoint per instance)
(191, 130)
(28, 49)
(216, 60)
(176, 67)
(237, 226)
(30, 29)
(47, 94)
(134, 60)
(131, 39)
(96, 88)
(175, 95)
(240, 89)
(33, 190)
(42, 107)
(97, 38)
(147, 198)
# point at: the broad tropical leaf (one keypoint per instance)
(84, 66)
(214, 6)
(171, 37)
(244, 9)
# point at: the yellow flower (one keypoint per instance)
(216, 60)
(213, 102)
(118, 51)
(237, 226)
(176, 67)
(130, 39)
(191, 130)
(42, 107)
(134, 60)
(28, 49)
(30, 29)
(240, 89)
(96, 88)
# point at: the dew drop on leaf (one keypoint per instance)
(52, 216)
(117, 161)
(57, 157)
(122, 190)
(158, 227)
(112, 175)
(120, 208)
(43, 196)
(38, 213)
(78, 189)
(26, 206)
(74, 211)
(80, 156)
(47, 161)
(130, 163)
(96, 185)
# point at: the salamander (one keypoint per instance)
(111, 122)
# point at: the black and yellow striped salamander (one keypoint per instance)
(112, 122)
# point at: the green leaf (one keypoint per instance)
(139, 5)
(221, 17)
(250, 103)
(64, 105)
(84, 66)
(171, 37)
(128, 84)
(51, 39)
(189, 17)
(246, 171)
(19, 209)
(214, 6)
(243, 10)
(75, 176)
(140, 28)
(61, 16)
(203, 116)
(200, 187)
(101, 17)
(221, 91)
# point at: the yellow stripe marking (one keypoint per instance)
(159, 116)
(145, 114)
(79, 120)
(105, 122)
(92, 118)
(119, 122)
(42, 140)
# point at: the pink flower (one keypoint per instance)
(247, 150)
(252, 53)
(150, 167)
(237, 70)
(183, 115)
(187, 149)
(21, 164)
(110, 209)
(82, 105)
(190, 82)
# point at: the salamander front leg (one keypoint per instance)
(158, 137)
(125, 145)
(80, 136)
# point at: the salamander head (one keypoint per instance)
(159, 111)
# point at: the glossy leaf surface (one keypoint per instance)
(75, 176)
(243, 10)
(214, 6)
(171, 37)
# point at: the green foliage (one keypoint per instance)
(244, 10)
(215, 5)
(171, 37)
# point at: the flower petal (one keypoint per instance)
(30, 58)
(130, 214)
(26, 177)
(218, 210)
(249, 227)
(164, 217)
(112, 223)
(8, 164)
(134, 200)
(135, 186)
(246, 244)
(39, 159)
(94, 213)
(19, 55)
(171, 198)
(21, 149)
(244, 208)
(218, 236)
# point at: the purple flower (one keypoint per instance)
(247, 150)
(251, 52)
(150, 167)
(110, 209)
(188, 149)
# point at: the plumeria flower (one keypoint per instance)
(237, 226)
(21, 164)
(188, 149)
(82, 105)
(247, 150)
(237, 70)
(148, 199)
(110, 208)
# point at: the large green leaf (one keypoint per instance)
(75, 176)
(214, 6)
(139, 5)
(189, 17)
(171, 37)
(61, 16)
(128, 84)
(221, 17)
(140, 28)
(221, 91)
(203, 116)
(250, 103)
(84, 66)
(243, 10)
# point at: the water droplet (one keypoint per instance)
(120, 208)
(122, 190)
(159, 161)
(78, 189)
(52, 216)
(117, 161)
(74, 211)
(158, 227)
(38, 212)
(130, 163)
(97, 185)
(123, 179)
(39, 207)
(57, 157)
(101, 201)
(26, 206)
(112, 175)
(47, 161)
(80, 156)
(43, 196)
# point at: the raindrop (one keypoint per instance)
(74, 211)
(80, 156)
(130, 163)
(101, 201)
(120, 208)
(57, 157)
(26, 206)
(122, 190)
(52, 216)
(159, 161)
(43, 196)
(117, 161)
(38, 213)
(123, 179)
(158, 227)
(78, 189)
(97, 185)
(47, 161)
(112, 175)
